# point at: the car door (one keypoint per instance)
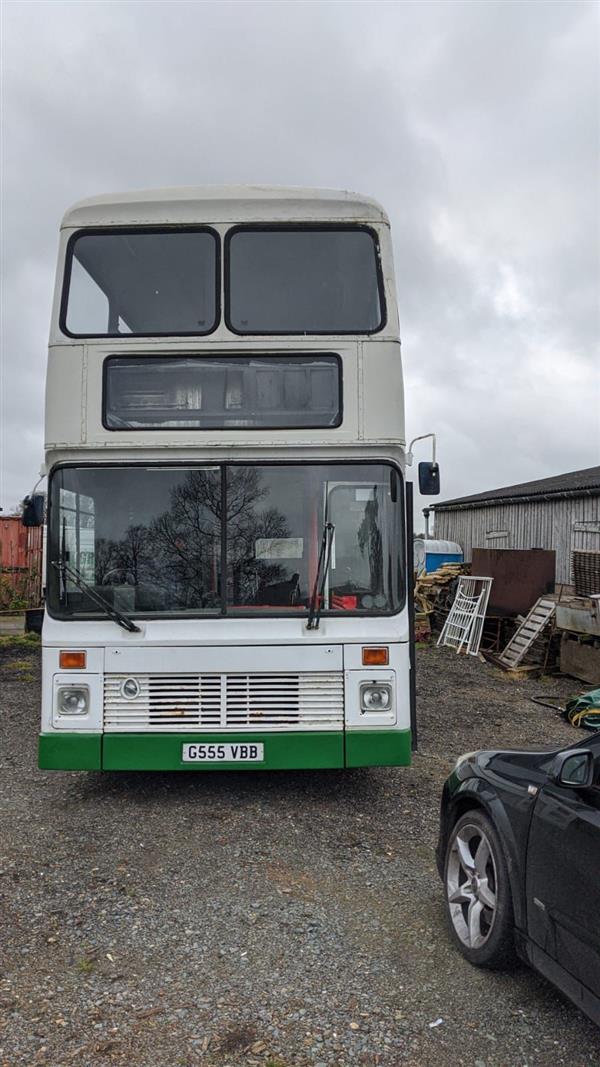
(563, 875)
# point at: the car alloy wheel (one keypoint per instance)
(471, 881)
(478, 892)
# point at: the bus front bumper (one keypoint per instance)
(164, 752)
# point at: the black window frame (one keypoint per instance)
(97, 231)
(294, 227)
(223, 613)
(200, 356)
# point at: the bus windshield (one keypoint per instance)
(226, 539)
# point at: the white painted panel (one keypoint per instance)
(382, 401)
(226, 632)
(133, 440)
(64, 384)
(122, 660)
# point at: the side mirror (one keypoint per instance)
(34, 618)
(574, 769)
(429, 479)
(33, 510)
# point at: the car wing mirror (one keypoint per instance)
(429, 479)
(574, 769)
(33, 510)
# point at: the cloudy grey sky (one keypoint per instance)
(476, 124)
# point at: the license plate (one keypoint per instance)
(250, 752)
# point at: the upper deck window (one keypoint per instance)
(141, 282)
(297, 280)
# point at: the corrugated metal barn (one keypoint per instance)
(562, 513)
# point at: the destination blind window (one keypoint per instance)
(223, 392)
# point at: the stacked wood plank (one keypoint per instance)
(435, 591)
(586, 571)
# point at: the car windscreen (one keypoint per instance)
(303, 281)
(144, 283)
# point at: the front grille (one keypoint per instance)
(183, 702)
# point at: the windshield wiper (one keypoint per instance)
(316, 600)
(66, 571)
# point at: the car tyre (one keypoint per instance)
(477, 892)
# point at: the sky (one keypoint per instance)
(476, 124)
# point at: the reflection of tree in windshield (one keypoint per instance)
(178, 556)
(173, 561)
(136, 553)
(105, 560)
(244, 527)
(186, 540)
(369, 538)
(124, 561)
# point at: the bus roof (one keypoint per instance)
(223, 203)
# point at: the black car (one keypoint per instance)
(519, 855)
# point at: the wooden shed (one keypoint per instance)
(560, 513)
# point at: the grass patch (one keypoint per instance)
(19, 665)
(85, 965)
(10, 641)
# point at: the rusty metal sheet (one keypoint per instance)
(520, 576)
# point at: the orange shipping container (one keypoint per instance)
(21, 556)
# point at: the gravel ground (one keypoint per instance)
(280, 920)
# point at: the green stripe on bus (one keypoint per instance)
(70, 752)
(378, 748)
(163, 752)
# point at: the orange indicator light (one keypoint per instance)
(375, 657)
(71, 661)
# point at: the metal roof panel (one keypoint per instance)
(583, 480)
(223, 203)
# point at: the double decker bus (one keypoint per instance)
(227, 513)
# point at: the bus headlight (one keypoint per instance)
(73, 700)
(375, 696)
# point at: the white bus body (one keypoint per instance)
(192, 472)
